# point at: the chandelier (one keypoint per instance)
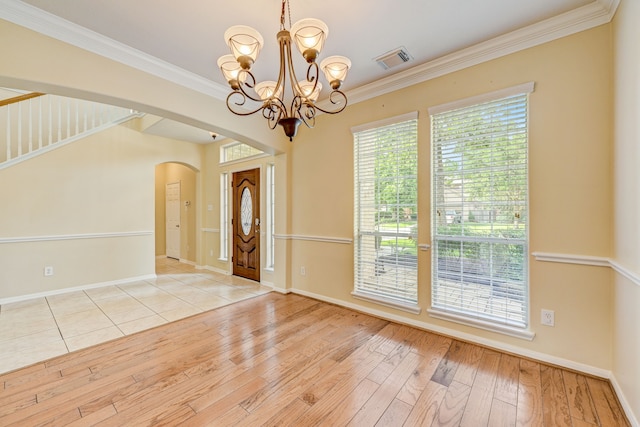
(309, 36)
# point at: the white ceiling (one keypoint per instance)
(189, 33)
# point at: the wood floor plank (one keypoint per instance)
(426, 407)
(373, 409)
(347, 408)
(529, 407)
(291, 360)
(554, 398)
(581, 404)
(468, 361)
(609, 411)
(507, 383)
(478, 408)
(448, 366)
(395, 415)
(451, 409)
(502, 414)
(421, 377)
(327, 394)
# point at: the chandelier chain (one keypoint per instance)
(282, 14)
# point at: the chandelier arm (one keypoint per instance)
(240, 103)
(304, 110)
(274, 110)
(336, 97)
(284, 41)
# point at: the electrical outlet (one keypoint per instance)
(211, 252)
(547, 317)
(48, 271)
(303, 271)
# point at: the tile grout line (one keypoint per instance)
(57, 325)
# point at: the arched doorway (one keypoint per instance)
(176, 207)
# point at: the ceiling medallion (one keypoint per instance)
(309, 36)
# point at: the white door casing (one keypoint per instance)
(172, 209)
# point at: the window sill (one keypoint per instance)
(410, 308)
(512, 331)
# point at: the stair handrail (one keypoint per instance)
(20, 98)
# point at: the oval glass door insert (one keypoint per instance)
(246, 211)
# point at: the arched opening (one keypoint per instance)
(176, 204)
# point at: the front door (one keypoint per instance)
(246, 224)
(172, 211)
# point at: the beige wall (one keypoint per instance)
(87, 209)
(570, 181)
(626, 206)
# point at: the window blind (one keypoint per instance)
(480, 212)
(386, 168)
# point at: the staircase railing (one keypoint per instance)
(36, 123)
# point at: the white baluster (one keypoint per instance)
(19, 129)
(8, 133)
(30, 126)
(77, 116)
(84, 111)
(68, 118)
(39, 122)
(59, 119)
(50, 120)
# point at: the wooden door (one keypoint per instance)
(246, 224)
(172, 211)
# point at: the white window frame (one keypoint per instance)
(384, 273)
(224, 216)
(237, 151)
(490, 316)
(271, 194)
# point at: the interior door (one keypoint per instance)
(172, 212)
(246, 224)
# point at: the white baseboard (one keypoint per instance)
(10, 300)
(214, 269)
(624, 402)
(543, 357)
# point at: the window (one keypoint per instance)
(224, 216)
(237, 151)
(271, 204)
(479, 210)
(386, 207)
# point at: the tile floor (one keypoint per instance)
(41, 328)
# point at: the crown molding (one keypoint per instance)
(597, 13)
(43, 22)
(589, 16)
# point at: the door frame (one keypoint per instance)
(233, 223)
(179, 223)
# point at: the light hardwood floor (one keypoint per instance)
(289, 360)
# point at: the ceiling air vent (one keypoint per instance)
(393, 58)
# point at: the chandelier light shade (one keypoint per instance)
(335, 69)
(245, 44)
(267, 89)
(310, 90)
(231, 70)
(287, 107)
(309, 35)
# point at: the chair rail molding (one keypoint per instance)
(589, 260)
